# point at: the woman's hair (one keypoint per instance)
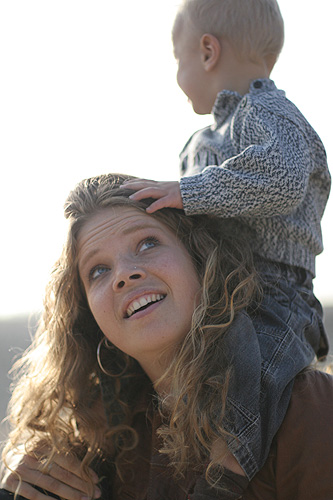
(57, 405)
(254, 28)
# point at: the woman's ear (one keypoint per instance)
(210, 48)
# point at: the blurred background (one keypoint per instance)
(90, 87)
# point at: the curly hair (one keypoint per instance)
(56, 404)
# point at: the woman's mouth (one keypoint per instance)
(143, 303)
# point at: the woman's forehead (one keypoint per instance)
(115, 222)
(119, 219)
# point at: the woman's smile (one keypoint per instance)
(142, 303)
(140, 282)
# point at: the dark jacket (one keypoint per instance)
(299, 467)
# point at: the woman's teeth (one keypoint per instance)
(142, 302)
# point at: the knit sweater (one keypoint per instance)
(262, 164)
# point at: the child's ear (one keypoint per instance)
(210, 51)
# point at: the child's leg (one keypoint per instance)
(269, 346)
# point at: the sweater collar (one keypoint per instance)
(227, 100)
(225, 103)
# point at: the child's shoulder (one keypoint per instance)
(264, 98)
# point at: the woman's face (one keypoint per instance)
(140, 283)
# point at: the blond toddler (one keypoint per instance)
(261, 165)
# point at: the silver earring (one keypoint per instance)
(109, 346)
(121, 369)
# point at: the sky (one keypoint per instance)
(89, 87)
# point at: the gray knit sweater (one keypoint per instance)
(262, 164)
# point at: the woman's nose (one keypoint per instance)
(126, 275)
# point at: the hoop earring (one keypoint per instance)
(108, 346)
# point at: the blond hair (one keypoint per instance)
(254, 28)
(56, 403)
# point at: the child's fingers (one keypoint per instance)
(157, 205)
(133, 181)
(165, 202)
(166, 194)
(148, 192)
(138, 184)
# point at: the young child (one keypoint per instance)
(263, 166)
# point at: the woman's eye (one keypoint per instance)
(96, 272)
(148, 243)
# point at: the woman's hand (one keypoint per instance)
(61, 477)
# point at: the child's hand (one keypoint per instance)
(166, 193)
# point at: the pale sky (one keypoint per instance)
(89, 87)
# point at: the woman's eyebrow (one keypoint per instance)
(128, 230)
(138, 227)
(82, 262)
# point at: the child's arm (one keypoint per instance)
(265, 171)
(267, 175)
(167, 194)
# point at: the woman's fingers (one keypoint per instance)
(11, 482)
(71, 465)
(57, 477)
(52, 478)
(28, 491)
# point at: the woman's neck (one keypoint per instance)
(156, 369)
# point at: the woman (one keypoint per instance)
(144, 402)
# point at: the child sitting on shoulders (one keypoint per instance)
(263, 166)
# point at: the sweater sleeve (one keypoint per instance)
(268, 176)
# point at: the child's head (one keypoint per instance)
(252, 30)
(253, 27)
